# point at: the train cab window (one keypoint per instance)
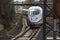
(36, 12)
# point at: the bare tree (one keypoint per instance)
(6, 12)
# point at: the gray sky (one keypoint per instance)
(37, 0)
(19, 0)
(23, 0)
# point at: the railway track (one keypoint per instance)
(28, 34)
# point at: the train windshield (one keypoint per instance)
(36, 12)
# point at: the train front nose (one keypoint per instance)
(35, 15)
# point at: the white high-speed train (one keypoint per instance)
(34, 15)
